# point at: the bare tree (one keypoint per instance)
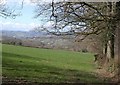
(86, 19)
(6, 11)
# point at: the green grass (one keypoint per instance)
(0, 61)
(47, 66)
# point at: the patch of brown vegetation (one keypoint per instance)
(106, 75)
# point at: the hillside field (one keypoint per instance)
(35, 65)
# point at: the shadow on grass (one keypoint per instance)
(22, 67)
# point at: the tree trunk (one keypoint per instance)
(118, 38)
(110, 63)
(109, 46)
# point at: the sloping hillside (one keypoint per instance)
(30, 65)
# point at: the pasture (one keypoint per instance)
(35, 65)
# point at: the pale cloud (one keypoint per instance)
(18, 26)
(15, 26)
(19, 2)
(2, 2)
(29, 2)
(49, 24)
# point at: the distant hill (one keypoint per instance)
(23, 34)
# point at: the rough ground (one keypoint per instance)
(108, 76)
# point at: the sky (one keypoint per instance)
(26, 20)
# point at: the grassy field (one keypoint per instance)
(46, 66)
